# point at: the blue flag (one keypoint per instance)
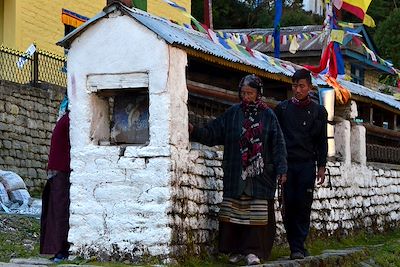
(277, 27)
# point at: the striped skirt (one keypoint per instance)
(247, 226)
(245, 210)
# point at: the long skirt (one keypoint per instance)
(252, 237)
(54, 224)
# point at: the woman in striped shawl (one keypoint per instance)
(254, 158)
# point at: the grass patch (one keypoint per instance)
(386, 255)
(360, 239)
(19, 237)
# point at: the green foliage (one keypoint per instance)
(236, 14)
(226, 14)
(387, 37)
(379, 9)
(292, 17)
(388, 79)
(387, 255)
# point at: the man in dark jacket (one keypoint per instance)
(303, 124)
(254, 156)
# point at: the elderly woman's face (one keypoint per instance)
(248, 94)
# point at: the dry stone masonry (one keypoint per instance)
(361, 197)
(198, 193)
(27, 118)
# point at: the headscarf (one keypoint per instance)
(254, 82)
(251, 139)
(63, 107)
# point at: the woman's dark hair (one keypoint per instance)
(253, 81)
(302, 74)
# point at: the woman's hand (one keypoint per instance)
(282, 178)
(190, 126)
(321, 175)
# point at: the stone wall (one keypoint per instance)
(371, 79)
(361, 197)
(27, 118)
(195, 207)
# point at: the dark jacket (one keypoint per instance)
(305, 131)
(59, 156)
(226, 130)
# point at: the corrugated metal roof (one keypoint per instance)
(177, 35)
(360, 90)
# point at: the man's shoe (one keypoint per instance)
(235, 258)
(252, 259)
(59, 257)
(296, 256)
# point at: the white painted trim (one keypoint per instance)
(97, 82)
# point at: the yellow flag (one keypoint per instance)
(369, 21)
(363, 4)
(232, 44)
(337, 36)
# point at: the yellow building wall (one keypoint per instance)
(9, 24)
(162, 9)
(1, 20)
(39, 21)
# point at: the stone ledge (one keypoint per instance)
(329, 258)
(384, 166)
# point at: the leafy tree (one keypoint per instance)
(379, 9)
(387, 37)
(226, 13)
(254, 13)
(292, 17)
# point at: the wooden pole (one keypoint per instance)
(208, 21)
(371, 115)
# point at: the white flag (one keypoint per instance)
(294, 45)
(29, 52)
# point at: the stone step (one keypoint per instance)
(329, 258)
(38, 262)
(355, 256)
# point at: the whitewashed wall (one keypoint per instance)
(121, 199)
(315, 6)
(361, 197)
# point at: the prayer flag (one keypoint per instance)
(294, 45)
(337, 36)
(173, 4)
(29, 52)
(356, 7)
(369, 21)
